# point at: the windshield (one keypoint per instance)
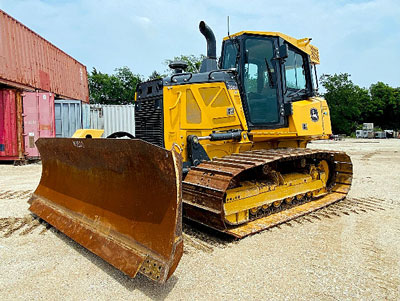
(259, 79)
(295, 71)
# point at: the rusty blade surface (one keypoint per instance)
(121, 199)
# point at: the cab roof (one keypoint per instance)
(302, 44)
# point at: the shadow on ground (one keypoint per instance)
(151, 289)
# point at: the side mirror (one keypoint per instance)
(283, 51)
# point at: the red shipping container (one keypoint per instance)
(23, 119)
(30, 62)
(8, 125)
(39, 120)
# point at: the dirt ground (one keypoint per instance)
(350, 250)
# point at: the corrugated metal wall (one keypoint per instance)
(111, 118)
(85, 116)
(29, 61)
(23, 119)
(68, 117)
(92, 116)
(71, 115)
(8, 125)
(119, 118)
(38, 120)
(96, 117)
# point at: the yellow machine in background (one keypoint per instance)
(88, 133)
(225, 147)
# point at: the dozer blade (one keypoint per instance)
(120, 199)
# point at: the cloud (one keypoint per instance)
(358, 37)
(144, 21)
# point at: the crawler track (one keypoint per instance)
(205, 186)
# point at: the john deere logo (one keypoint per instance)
(314, 114)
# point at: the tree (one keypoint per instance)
(156, 75)
(351, 105)
(193, 61)
(345, 101)
(383, 109)
(118, 88)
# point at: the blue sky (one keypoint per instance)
(358, 37)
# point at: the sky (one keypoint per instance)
(358, 37)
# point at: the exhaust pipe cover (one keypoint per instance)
(209, 63)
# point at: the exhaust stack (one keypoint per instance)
(210, 62)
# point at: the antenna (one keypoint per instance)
(228, 26)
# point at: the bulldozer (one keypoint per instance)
(224, 147)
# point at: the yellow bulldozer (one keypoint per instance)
(224, 147)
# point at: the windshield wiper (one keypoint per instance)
(270, 79)
(296, 93)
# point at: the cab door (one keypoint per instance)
(260, 82)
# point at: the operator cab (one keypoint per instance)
(272, 73)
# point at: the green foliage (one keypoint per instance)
(156, 75)
(193, 61)
(344, 100)
(383, 109)
(351, 105)
(118, 88)
(359, 127)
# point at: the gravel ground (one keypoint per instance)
(350, 250)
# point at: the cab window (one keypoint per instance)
(229, 56)
(295, 71)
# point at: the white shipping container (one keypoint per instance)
(380, 135)
(112, 118)
(119, 118)
(368, 126)
(96, 117)
(359, 134)
(92, 116)
(85, 116)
